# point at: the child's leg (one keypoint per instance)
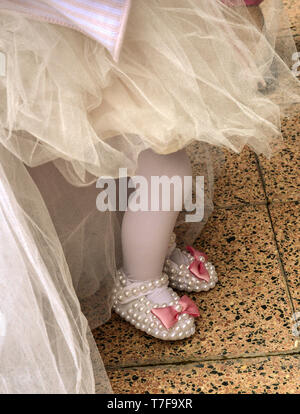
(142, 296)
(146, 234)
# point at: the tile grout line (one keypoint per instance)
(254, 204)
(281, 264)
(295, 352)
(241, 205)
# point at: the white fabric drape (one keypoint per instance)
(188, 76)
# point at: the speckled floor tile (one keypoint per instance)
(272, 375)
(292, 111)
(239, 182)
(286, 223)
(247, 313)
(289, 25)
(281, 172)
(237, 179)
(292, 8)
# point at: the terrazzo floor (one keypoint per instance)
(246, 340)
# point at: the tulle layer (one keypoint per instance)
(46, 345)
(186, 73)
(189, 75)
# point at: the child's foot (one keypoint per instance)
(189, 271)
(136, 303)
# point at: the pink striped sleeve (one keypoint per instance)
(103, 20)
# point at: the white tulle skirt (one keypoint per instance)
(190, 75)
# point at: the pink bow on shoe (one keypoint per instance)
(197, 267)
(169, 315)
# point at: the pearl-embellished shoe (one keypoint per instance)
(170, 321)
(196, 274)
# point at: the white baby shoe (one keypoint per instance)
(194, 274)
(168, 321)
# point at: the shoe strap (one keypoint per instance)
(136, 290)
